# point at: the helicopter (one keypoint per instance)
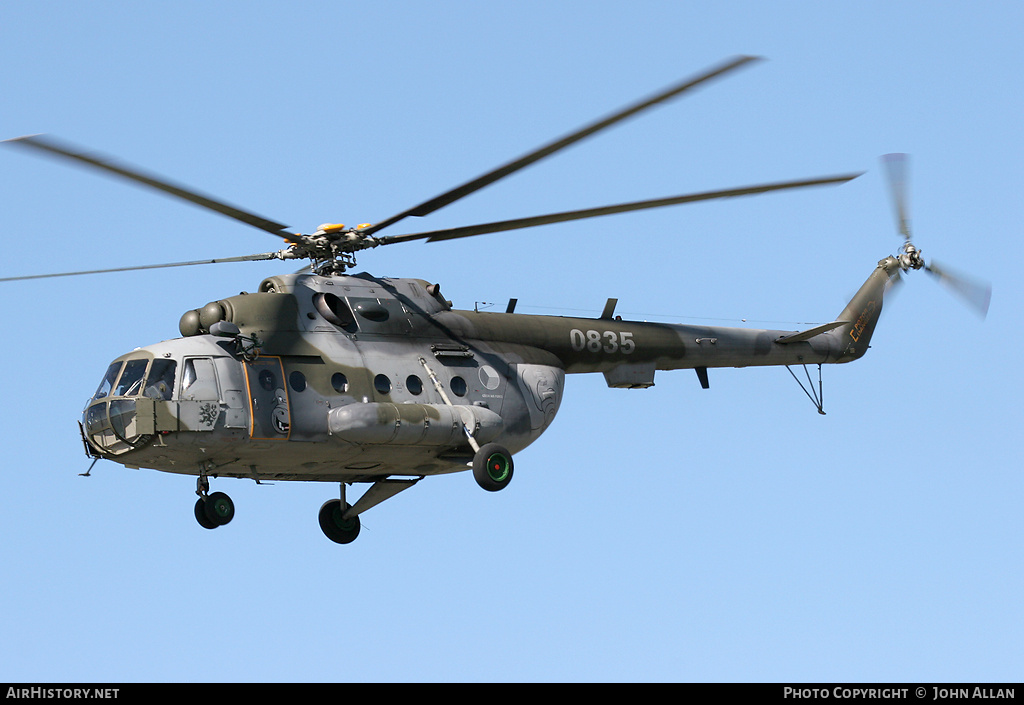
(328, 376)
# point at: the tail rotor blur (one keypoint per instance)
(976, 294)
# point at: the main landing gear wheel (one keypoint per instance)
(214, 510)
(334, 525)
(492, 467)
(201, 514)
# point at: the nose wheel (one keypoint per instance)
(212, 510)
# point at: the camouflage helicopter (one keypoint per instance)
(327, 376)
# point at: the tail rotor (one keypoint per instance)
(976, 294)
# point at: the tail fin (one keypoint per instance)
(861, 314)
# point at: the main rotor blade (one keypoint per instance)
(469, 230)
(245, 258)
(490, 177)
(896, 170)
(976, 294)
(53, 147)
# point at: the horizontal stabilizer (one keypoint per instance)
(808, 334)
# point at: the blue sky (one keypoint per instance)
(669, 534)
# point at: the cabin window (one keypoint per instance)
(267, 380)
(414, 384)
(382, 383)
(297, 380)
(458, 386)
(340, 382)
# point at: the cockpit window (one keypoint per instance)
(131, 379)
(198, 380)
(108, 381)
(160, 381)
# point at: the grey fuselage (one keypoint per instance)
(357, 378)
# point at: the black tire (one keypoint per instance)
(219, 509)
(336, 528)
(201, 515)
(492, 467)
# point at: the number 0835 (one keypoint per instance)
(602, 341)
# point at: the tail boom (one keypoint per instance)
(850, 340)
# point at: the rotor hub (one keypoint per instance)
(331, 249)
(910, 257)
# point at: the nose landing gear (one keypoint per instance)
(212, 510)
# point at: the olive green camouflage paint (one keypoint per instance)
(285, 414)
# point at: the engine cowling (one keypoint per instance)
(412, 424)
